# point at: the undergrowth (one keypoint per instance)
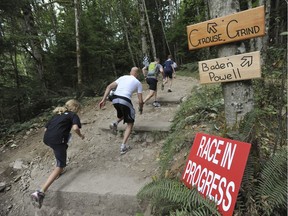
(263, 189)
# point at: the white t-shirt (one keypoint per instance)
(126, 85)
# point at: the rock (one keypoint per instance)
(2, 186)
(19, 164)
(17, 178)
(13, 145)
(150, 138)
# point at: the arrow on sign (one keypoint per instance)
(247, 60)
(211, 27)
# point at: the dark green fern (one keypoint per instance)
(178, 197)
(272, 189)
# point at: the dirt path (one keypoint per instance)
(98, 181)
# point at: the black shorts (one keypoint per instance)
(124, 109)
(152, 82)
(168, 74)
(60, 153)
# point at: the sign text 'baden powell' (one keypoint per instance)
(215, 167)
(235, 27)
(231, 68)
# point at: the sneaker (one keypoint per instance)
(169, 90)
(162, 86)
(156, 104)
(125, 150)
(37, 198)
(113, 128)
(140, 110)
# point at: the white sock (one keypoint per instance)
(123, 146)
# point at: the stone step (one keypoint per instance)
(82, 192)
(147, 126)
(85, 204)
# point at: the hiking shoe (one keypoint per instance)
(140, 110)
(113, 128)
(156, 104)
(169, 90)
(162, 86)
(37, 198)
(125, 150)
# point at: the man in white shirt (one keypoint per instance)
(125, 86)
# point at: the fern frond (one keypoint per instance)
(247, 190)
(178, 195)
(272, 190)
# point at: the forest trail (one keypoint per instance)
(98, 181)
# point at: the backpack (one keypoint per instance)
(152, 69)
(168, 65)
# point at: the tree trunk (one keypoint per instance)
(78, 54)
(123, 20)
(13, 57)
(171, 11)
(252, 42)
(260, 43)
(35, 44)
(150, 31)
(114, 66)
(163, 30)
(145, 49)
(238, 96)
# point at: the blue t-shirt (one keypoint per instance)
(59, 127)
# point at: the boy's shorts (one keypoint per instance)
(168, 74)
(152, 82)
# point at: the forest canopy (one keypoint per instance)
(52, 49)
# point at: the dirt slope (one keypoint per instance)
(99, 181)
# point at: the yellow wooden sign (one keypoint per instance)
(232, 68)
(240, 26)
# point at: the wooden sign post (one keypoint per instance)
(243, 25)
(232, 68)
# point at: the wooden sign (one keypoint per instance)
(243, 25)
(215, 167)
(231, 68)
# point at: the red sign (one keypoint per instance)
(215, 167)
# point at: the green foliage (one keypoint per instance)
(190, 70)
(204, 100)
(104, 56)
(270, 91)
(264, 186)
(272, 189)
(190, 12)
(204, 105)
(169, 195)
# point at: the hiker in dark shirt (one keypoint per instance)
(151, 73)
(57, 134)
(169, 73)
